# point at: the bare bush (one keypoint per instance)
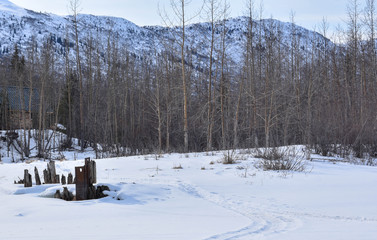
(176, 167)
(367, 161)
(280, 159)
(230, 157)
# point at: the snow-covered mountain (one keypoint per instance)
(21, 26)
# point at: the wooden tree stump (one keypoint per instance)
(57, 194)
(99, 191)
(92, 170)
(52, 172)
(57, 178)
(67, 195)
(91, 192)
(46, 176)
(27, 179)
(37, 178)
(85, 177)
(70, 178)
(49, 174)
(63, 180)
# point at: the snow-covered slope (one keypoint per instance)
(9, 7)
(204, 199)
(13, 146)
(20, 26)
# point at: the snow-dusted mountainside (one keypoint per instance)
(21, 26)
(11, 8)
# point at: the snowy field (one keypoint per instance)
(151, 199)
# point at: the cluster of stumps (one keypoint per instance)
(85, 177)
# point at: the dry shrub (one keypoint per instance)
(280, 159)
(230, 157)
(177, 166)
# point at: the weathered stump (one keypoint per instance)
(49, 174)
(92, 170)
(85, 177)
(46, 176)
(81, 183)
(27, 179)
(67, 195)
(91, 192)
(99, 191)
(52, 172)
(63, 180)
(57, 194)
(70, 178)
(57, 178)
(37, 178)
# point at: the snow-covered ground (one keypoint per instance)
(204, 200)
(10, 153)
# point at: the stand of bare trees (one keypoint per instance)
(314, 92)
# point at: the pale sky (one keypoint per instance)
(308, 13)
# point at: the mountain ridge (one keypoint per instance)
(19, 26)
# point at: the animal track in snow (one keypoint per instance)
(263, 222)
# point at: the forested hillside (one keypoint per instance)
(225, 83)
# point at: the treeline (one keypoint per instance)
(282, 92)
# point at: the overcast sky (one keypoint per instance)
(308, 13)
